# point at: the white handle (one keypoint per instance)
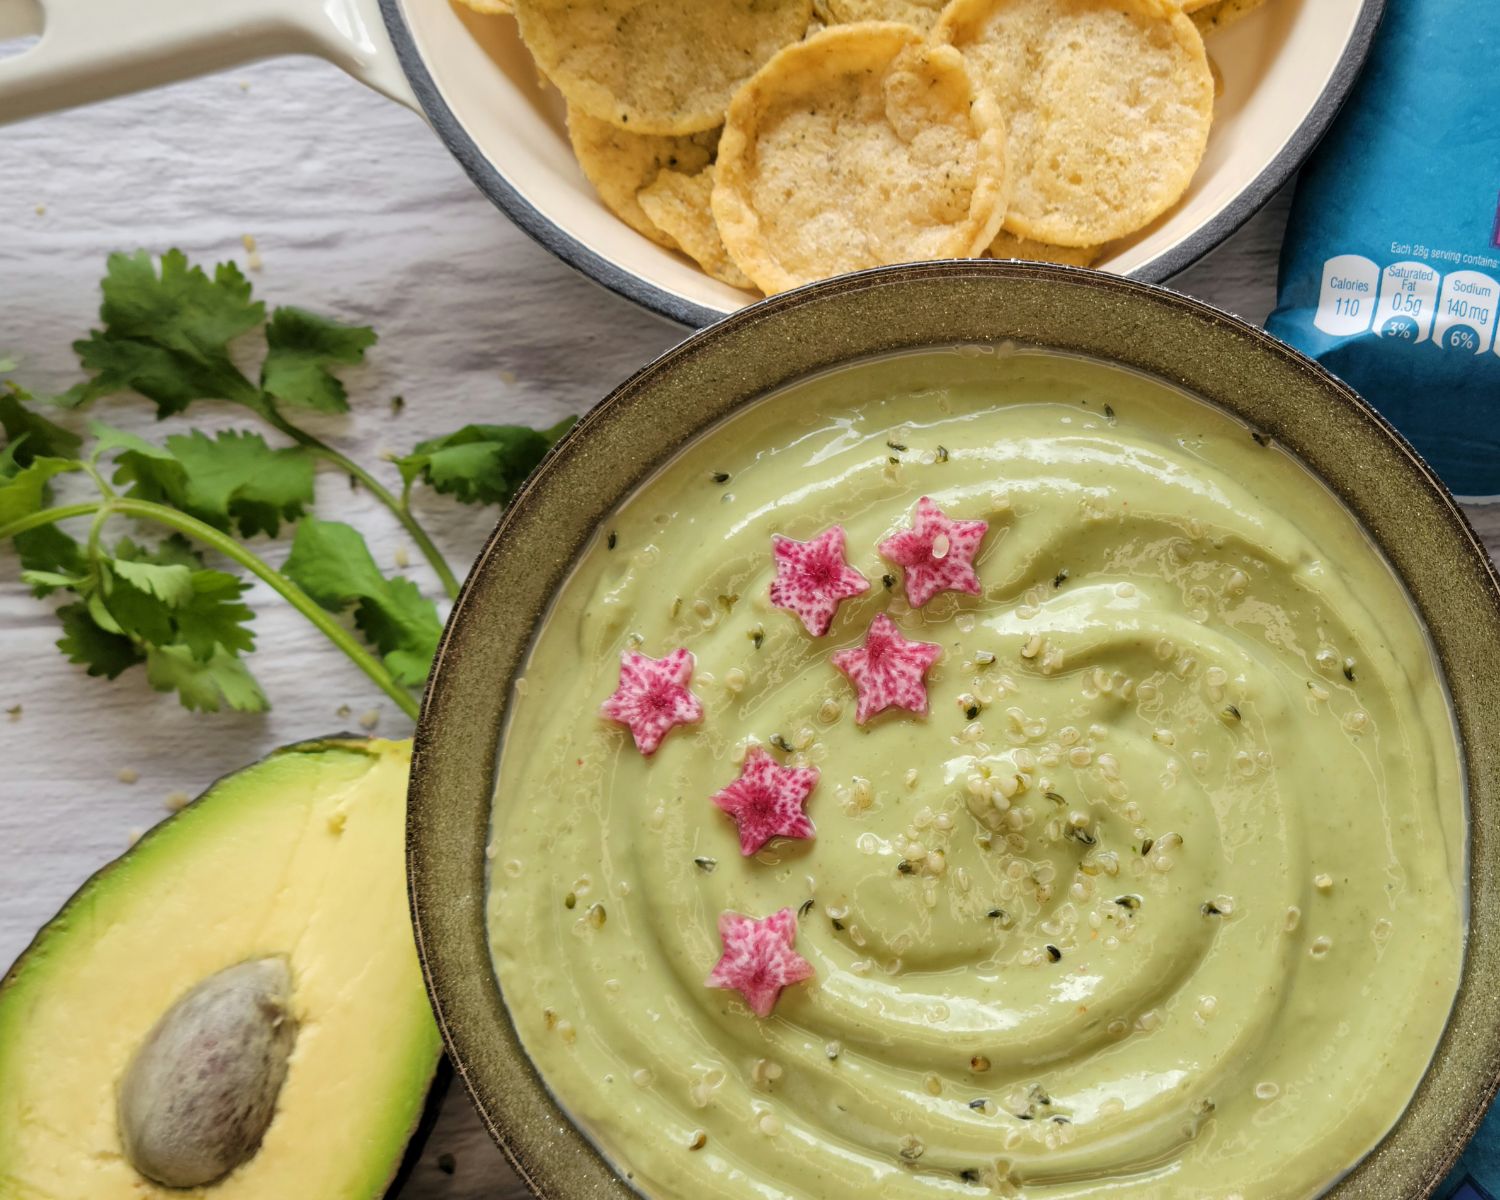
(92, 49)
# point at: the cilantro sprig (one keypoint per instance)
(175, 335)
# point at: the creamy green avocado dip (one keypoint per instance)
(1164, 897)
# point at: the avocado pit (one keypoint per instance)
(200, 1093)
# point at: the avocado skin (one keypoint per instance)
(437, 1093)
(438, 1079)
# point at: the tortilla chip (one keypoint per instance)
(1007, 245)
(862, 146)
(1215, 15)
(656, 66)
(679, 204)
(1108, 104)
(923, 14)
(620, 164)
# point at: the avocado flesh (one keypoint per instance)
(301, 856)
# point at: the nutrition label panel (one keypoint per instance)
(1409, 301)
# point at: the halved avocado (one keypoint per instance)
(233, 1009)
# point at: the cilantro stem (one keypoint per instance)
(92, 470)
(209, 536)
(47, 516)
(397, 505)
(96, 532)
(160, 514)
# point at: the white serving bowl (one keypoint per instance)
(1286, 70)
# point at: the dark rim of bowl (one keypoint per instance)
(550, 236)
(1277, 391)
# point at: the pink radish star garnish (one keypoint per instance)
(813, 578)
(759, 959)
(766, 801)
(936, 553)
(653, 697)
(888, 671)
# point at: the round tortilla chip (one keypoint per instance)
(1214, 15)
(1108, 103)
(862, 146)
(1007, 245)
(656, 66)
(679, 205)
(492, 7)
(620, 164)
(921, 13)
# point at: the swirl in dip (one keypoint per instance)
(1163, 897)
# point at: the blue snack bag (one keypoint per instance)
(1477, 1176)
(1390, 273)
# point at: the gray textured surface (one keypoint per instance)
(358, 211)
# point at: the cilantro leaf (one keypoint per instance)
(214, 617)
(210, 607)
(26, 491)
(180, 306)
(49, 551)
(9, 467)
(99, 613)
(34, 452)
(100, 652)
(167, 335)
(300, 347)
(151, 472)
(404, 626)
(173, 549)
(109, 440)
(32, 435)
(154, 605)
(480, 464)
(45, 582)
(173, 603)
(232, 480)
(332, 564)
(121, 606)
(204, 686)
(236, 478)
(171, 584)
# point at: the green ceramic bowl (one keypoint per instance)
(915, 307)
